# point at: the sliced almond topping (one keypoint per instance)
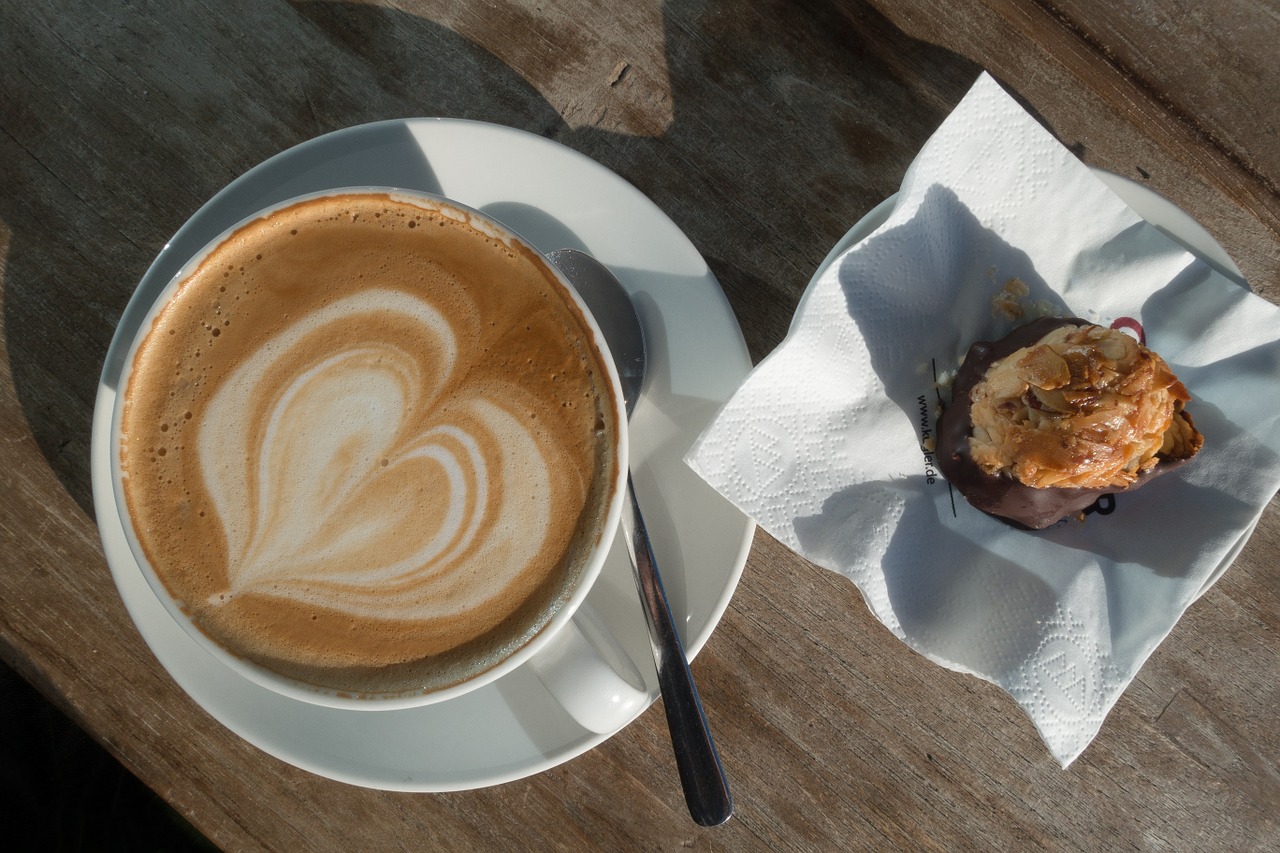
(1083, 407)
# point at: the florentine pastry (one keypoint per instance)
(1058, 413)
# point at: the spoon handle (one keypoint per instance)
(706, 790)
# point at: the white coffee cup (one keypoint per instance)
(574, 654)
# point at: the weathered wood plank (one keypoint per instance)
(1151, 91)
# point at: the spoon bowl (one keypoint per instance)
(613, 310)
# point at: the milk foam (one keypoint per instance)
(365, 452)
(309, 531)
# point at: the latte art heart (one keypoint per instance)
(371, 446)
(334, 464)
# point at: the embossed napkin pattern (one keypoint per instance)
(828, 444)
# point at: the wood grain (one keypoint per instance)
(1176, 95)
(764, 130)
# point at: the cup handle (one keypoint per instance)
(589, 674)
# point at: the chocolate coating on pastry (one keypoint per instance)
(1002, 495)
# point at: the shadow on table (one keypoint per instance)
(61, 791)
(85, 228)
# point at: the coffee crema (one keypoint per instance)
(368, 445)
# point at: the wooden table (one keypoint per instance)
(764, 131)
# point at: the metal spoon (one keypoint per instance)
(706, 790)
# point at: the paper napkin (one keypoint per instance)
(828, 444)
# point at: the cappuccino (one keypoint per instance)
(369, 445)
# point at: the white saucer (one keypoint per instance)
(1145, 202)
(555, 198)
